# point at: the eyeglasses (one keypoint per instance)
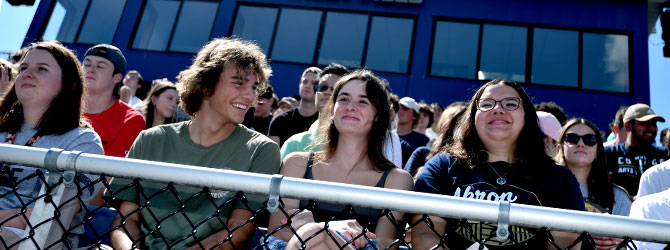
(322, 88)
(588, 139)
(509, 103)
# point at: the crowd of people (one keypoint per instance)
(345, 125)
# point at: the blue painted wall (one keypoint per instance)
(619, 16)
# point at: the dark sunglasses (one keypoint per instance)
(322, 88)
(588, 139)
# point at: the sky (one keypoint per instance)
(659, 66)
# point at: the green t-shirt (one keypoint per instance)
(243, 150)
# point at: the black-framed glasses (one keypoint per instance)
(588, 139)
(509, 103)
(322, 88)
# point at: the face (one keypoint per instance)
(580, 153)
(99, 74)
(423, 120)
(306, 90)
(165, 104)
(132, 81)
(323, 94)
(353, 112)
(644, 132)
(39, 80)
(499, 124)
(263, 107)
(405, 115)
(233, 96)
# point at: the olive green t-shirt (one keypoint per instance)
(244, 150)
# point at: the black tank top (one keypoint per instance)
(325, 211)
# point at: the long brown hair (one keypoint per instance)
(600, 188)
(66, 110)
(378, 133)
(149, 106)
(529, 153)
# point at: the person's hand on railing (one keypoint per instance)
(604, 242)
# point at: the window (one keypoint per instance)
(555, 56)
(389, 44)
(194, 26)
(183, 25)
(296, 35)
(455, 50)
(100, 19)
(256, 24)
(605, 62)
(503, 53)
(343, 39)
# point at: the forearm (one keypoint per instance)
(16, 222)
(238, 238)
(122, 238)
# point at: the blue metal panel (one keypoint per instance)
(617, 16)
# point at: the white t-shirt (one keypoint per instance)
(655, 179)
(135, 103)
(654, 206)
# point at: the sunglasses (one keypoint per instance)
(588, 139)
(322, 88)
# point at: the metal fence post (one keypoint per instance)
(46, 226)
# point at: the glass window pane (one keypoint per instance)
(156, 25)
(503, 53)
(389, 44)
(65, 20)
(605, 65)
(555, 57)
(194, 27)
(343, 39)
(101, 21)
(455, 50)
(256, 24)
(296, 36)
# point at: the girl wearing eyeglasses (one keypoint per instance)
(580, 148)
(497, 155)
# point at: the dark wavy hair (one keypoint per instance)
(377, 137)
(598, 181)
(199, 81)
(66, 110)
(149, 106)
(529, 154)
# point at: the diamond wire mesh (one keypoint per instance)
(98, 230)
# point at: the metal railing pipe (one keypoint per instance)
(397, 200)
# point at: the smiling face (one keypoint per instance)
(235, 92)
(39, 80)
(353, 112)
(579, 154)
(498, 125)
(643, 133)
(165, 104)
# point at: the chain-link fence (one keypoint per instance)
(59, 218)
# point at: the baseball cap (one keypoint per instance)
(290, 100)
(641, 112)
(549, 125)
(111, 53)
(410, 103)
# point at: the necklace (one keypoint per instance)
(501, 179)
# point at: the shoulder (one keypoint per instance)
(621, 192)
(399, 179)
(162, 131)
(84, 139)
(613, 148)
(285, 115)
(254, 138)
(294, 164)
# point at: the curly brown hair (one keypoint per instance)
(199, 81)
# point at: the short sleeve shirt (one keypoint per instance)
(290, 123)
